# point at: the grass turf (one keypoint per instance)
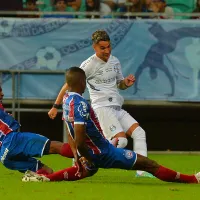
(110, 184)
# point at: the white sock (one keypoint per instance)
(139, 143)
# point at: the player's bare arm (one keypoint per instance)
(80, 138)
(127, 82)
(72, 144)
(85, 158)
(54, 110)
(74, 150)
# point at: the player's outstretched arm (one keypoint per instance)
(54, 110)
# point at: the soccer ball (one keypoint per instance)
(6, 27)
(48, 57)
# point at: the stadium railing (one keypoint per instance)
(16, 101)
(112, 14)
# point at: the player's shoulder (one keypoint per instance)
(77, 98)
(88, 62)
(80, 102)
(114, 59)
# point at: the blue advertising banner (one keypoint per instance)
(164, 55)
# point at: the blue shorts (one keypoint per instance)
(19, 148)
(115, 158)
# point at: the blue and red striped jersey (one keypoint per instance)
(7, 122)
(77, 110)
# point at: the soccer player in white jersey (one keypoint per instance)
(104, 78)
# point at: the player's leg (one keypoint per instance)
(126, 159)
(36, 145)
(68, 174)
(63, 149)
(23, 164)
(17, 152)
(161, 172)
(133, 130)
(111, 126)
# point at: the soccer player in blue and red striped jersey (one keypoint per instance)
(18, 149)
(91, 149)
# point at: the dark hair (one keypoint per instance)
(73, 75)
(75, 69)
(100, 35)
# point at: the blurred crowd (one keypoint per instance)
(106, 8)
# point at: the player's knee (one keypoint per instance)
(153, 163)
(122, 142)
(54, 148)
(139, 133)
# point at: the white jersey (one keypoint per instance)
(102, 79)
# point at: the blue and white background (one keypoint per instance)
(163, 55)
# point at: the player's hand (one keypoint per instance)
(114, 141)
(89, 167)
(129, 80)
(79, 166)
(53, 113)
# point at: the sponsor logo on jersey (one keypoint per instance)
(128, 154)
(65, 175)
(83, 109)
(110, 99)
(112, 128)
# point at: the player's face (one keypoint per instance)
(103, 50)
(1, 94)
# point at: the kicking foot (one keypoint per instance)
(145, 175)
(197, 177)
(30, 176)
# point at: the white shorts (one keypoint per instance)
(114, 120)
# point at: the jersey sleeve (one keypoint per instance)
(87, 67)
(81, 112)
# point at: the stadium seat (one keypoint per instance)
(182, 3)
(46, 6)
(181, 6)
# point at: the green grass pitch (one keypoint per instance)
(110, 184)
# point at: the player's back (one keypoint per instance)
(76, 110)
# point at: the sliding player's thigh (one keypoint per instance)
(118, 158)
(24, 144)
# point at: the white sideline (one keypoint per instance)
(175, 152)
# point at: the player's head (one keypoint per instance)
(101, 44)
(76, 80)
(1, 94)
